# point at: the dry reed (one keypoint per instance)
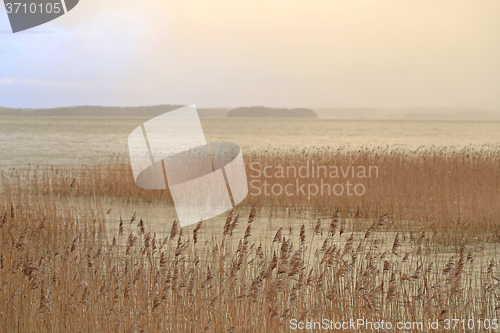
(62, 271)
(427, 189)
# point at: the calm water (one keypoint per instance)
(68, 140)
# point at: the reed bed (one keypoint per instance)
(424, 189)
(63, 270)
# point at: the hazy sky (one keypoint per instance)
(288, 53)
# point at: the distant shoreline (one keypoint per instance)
(338, 113)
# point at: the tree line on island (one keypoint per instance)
(261, 111)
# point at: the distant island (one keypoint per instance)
(263, 112)
(108, 111)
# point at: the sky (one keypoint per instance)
(280, 53)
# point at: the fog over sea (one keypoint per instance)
(60, 140)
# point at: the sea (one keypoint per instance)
(28, 141)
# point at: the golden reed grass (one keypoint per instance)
(61, 271)
(427, 189)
